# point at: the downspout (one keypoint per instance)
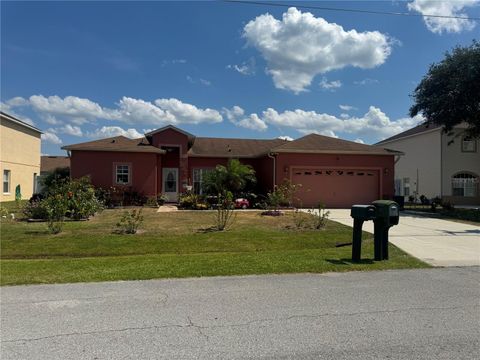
(273, 156)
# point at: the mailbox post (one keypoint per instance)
(387, 215)
(360, 214)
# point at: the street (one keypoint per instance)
(400, 314)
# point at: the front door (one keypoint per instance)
(170, 183)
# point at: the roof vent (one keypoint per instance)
(113, 141)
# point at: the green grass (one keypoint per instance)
(177, 245)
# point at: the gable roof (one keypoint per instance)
(153, 132)
(50, 163)
(319, 144)
(224, 147)
(19, 122)
(419, 129)
(117, 143)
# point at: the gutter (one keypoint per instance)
(273, 156)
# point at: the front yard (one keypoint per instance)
(178, 244)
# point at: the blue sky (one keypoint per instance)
(84, 70)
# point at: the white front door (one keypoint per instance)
(170, 183)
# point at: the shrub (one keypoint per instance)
(192, 201)
(56, 206)
(35, 210)
(320, 216)
(161, 199)
(50, 181)
(225, 212)
(152, 201)
(130, 221)
(282, 195)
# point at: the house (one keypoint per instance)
(437, 164)
(49, 164)
(169, 160)
(19, 157)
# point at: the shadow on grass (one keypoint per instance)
(349, 262)
(37, 232)
(207, 230)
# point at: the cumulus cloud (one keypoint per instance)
(360, 141)
(9, 105)
(111, 131)
(366, 81)
(245, 68)
(188, 113)
(300, 46)
(236, 115)
(285, 137)
(375, 123)
(70, 130)
(347, 107)
(50, 137)
(445, 8)
(330, 85)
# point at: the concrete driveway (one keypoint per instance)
(401, 314)
(435, 241)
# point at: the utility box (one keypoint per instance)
(387, 215)
(360, 213)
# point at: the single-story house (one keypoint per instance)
(49, 164)
(336, 172)
(437, 164)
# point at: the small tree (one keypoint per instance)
(234, 178)
(130, 221)
(56, 207)
(225, 212)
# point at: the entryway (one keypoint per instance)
(170, 184)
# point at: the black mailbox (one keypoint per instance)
(360, 213)
(388, 215)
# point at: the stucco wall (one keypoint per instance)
(422, 158)
(99, 166)
(455, 161)
(19, 153)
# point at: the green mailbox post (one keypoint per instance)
(360, 214)
(387, 215)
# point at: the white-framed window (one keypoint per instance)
(398, 186)
(469, 144)
(6, 181)
(465, 184)
(406, 186)
(198, 178)
(122, 174)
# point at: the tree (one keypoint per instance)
(233, 178)
(449, 94)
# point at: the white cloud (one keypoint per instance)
(344, 116)
(8, 106)
(205, 82)
(70, 130)
(330, 85)
(347, 107)
(300, 46)
(141, 111)
(111, 131)
(366, 81)
(236, 115)
(187, 113)
(360, 141)
(173, 62)
(285, 137)
(245, 68)
(444, 8)
(375, 123)
(50, 137)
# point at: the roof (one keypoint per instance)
(117, 143)
(19, 122)
(190, 136)
(224, 147)
(50, 163)
(424, 127)
(317, 144)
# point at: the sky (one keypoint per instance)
(80, 71)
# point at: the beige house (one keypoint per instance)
(19, 157)
(437, 164)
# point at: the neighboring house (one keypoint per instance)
(437, 164)
(48, 164)
(335, 172)
(19, 157)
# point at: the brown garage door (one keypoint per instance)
(335, 188)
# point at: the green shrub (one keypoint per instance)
(192, 201)
(56, 207)
(35, 210)
(130, 222)
(225, 212)
(152, 201)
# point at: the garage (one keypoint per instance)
(336, 188)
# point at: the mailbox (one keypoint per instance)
(387, 215)
(360, 213)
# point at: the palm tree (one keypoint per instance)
(231, 178)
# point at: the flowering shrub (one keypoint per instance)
(56, 207)
(130, 222)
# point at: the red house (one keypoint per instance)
(169, 160)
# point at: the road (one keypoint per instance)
(400, 314)
(437, 242)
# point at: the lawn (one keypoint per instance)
(178, 244)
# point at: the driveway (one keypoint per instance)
(400, 314)
(435, 241)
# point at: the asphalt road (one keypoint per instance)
(405, 314)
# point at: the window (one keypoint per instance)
(464, 184)
(198, 178)
(406, 186)
(6, 181)
(469, 144)
(122, 175)
(398, 186)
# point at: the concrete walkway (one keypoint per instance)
(437, 242)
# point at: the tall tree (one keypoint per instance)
(449, 94)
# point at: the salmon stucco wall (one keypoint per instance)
(100, 167)
(384, 163)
